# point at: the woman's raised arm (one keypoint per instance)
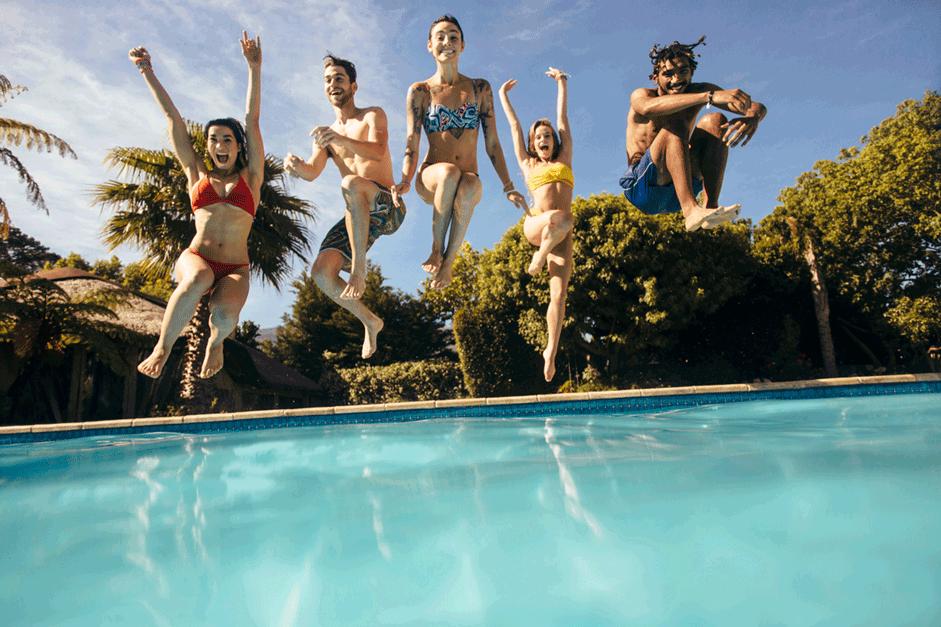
(251, 50)
(179, 134)
(565, 134)
(516, 129)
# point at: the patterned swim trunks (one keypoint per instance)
(384, 219)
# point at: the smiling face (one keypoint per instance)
(446, 43)
(544, 142)
(222, 146)
(337, 85)
(674, 76)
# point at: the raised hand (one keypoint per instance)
(556, 73)
(251, 49)
(138, 54)
(507, 86)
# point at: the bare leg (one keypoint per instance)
(466, 198)
(437, 185)
(560, 269)
(709, 155)
(225, 305)
(546, 231)
(671, 154)
(326, 274)
(194, 278)
(360, 194)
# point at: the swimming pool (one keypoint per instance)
(814, 511)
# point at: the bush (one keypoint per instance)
(438, 379)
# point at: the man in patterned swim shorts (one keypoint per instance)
(671, 157)
(358, 143)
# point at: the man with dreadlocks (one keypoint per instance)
(671, 158)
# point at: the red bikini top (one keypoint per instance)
(240, 196)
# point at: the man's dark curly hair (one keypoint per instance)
(676, 50)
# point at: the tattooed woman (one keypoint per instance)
(452, 108)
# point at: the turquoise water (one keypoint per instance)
(816, 512)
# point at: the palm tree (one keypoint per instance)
(152, 211)
(15, 133)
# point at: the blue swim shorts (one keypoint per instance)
(384, 219)
(641, 190)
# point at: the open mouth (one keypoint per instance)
(221, 158)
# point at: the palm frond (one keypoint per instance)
(8, 89)
(13, 132)
(32, 188)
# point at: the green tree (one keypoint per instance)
(21, 254)
(318, 335)
(151, 210)
(872, 220)
(15, 133)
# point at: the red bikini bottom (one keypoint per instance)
(219, 269)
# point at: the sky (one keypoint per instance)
(827, 72)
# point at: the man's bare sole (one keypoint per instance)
(548, 369)
(730, 214)
(354, 288)
(709, 218)
(369, 343)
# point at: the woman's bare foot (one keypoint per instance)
(433, 263)
(213, 362)
(372, 330)
(537, 264)
(443, 277)
(354, 288)
(549, 368)
(154, 364)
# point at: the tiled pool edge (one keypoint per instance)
(621, 401)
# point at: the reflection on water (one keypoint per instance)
(777, 513)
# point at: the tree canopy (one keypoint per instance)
(873, 217)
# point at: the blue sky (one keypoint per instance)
(828, 72)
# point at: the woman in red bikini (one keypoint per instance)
(224, 201)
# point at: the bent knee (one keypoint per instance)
(712, 121)
(356, 184)
(562, 220)
(468, 190)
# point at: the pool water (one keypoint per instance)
(811, 512)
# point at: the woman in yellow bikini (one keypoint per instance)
(547, 165)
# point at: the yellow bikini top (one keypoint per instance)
(550, 174)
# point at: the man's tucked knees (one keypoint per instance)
(712, 121)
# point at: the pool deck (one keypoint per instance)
(630, 401)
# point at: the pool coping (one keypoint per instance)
(630, 401)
